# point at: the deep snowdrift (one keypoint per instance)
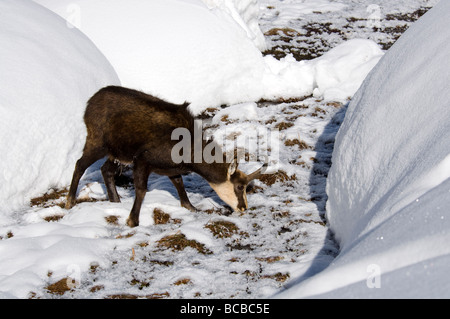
(212, 59)
(48, 71)
(389, 184)
(208, 53)
(177, 49)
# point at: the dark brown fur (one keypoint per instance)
(135, 128)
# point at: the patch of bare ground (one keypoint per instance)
(178, 242)
(224, 229)
(161, 217)
(312, 36)
(61, 286)
(56, 197)
(279, 176)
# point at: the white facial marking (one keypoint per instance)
(226, 193)
(245, 200)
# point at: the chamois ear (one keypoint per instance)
(257, 173)
(232, 168)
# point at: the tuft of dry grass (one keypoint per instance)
(222, 228)
(283, 125)
(55, 197)
(53, 218)
(271, 259)
(112, 219)
(183, 281)
(282, 31)
(132, 296)
(160, 217)
(62, 286)
(280, 277)
(301, 144)
(49, 198)
(178, 242)
(280, 176)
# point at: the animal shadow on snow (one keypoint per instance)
(196, 187)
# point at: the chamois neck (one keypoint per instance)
(215, 173)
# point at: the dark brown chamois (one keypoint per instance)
(131, 127)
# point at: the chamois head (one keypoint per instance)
(233, 190)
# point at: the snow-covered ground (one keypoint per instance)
(47, 73)
(208, 53)
(389, 184)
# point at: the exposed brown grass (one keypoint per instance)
(183, 281)
(280, 176)
(53, 218)
(301, 144)
(283, 125)
(280, 277)
(222, 228)
(62, 286)
(178, 242)
(160, 217)
(112, 219)
(48, 198)
(282, 31)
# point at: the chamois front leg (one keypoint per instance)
(90, 156)
(141, 172)
(109, 170)
(184, 199)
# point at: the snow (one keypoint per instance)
(339, 73)
(48, 73)
(181, 50)
(246, 14)
(389, 183)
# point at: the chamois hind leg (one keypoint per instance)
(184, 199)
(109, 170)
(141, 172)
(89, 157)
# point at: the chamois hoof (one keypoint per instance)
(191, 208)
(132, 223)
(69, 205)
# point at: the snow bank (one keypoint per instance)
(176, 49)
(389, 184)
(48, 71)
(246, 14)
(206, 52)
(340, 72)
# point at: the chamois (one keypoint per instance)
(131, 127)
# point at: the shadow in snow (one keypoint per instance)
(317, 184)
